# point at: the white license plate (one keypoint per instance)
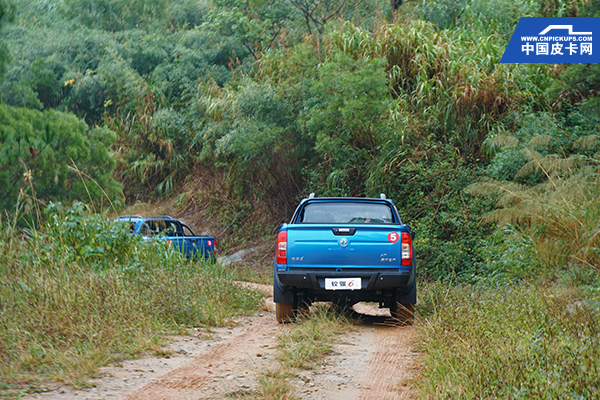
(342, 283)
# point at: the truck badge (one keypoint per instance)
(343, 242)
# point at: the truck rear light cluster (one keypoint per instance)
(281, 253)
(210, 243)
(406, 249)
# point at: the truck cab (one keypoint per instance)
(174, 232)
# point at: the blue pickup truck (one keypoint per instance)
(174, 232)
(345, 250)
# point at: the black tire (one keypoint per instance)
(285, 312)
(404, 314)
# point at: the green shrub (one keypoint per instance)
(251, 135)
(551, 198)
(116, 15)
(256, 25)
(54, 156)
(343, 117)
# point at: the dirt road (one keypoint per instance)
(373, 361)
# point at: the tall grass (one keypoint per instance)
(303, 346)
(449, 78)
(82, 292)
(510, 341)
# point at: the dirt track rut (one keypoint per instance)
(227, 359)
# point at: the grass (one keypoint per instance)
(275, 384)
(259, 272)
(304, 346)
(524, 340)
(79, 294)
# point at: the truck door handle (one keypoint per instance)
(343, 231)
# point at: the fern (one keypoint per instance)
(541, 140)
(560, 215)
(588, 142)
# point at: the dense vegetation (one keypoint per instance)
(246, 106)
(261, 106)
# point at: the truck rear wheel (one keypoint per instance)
(403, 313)
(284, 311)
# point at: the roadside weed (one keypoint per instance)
(275, 385)
(509, 341)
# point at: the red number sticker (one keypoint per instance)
(393, 237)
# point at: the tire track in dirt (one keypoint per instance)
(374, 360)
(188, 380)
(389, 367)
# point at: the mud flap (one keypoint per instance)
(409, 297)
(279, 296)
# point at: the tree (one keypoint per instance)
(53, 156)
(6, 15)
(318, 12)
(256, 23)
(345, 118)
(117, 15)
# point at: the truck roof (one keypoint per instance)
(139, 217)
(373, 199)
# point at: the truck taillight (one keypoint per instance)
(406, 249)
(210, 243)
(281, 252)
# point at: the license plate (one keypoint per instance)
(342, 283)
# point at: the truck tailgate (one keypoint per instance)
(194, 246)
(347, 245)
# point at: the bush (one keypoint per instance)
(116, 15)
(551, 197)
(54, 156)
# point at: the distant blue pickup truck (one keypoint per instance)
(345, 250)
(175, 232)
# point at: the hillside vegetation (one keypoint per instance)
(240, 108)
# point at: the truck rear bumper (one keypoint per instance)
(370, 279)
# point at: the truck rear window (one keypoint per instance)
(346, 213)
